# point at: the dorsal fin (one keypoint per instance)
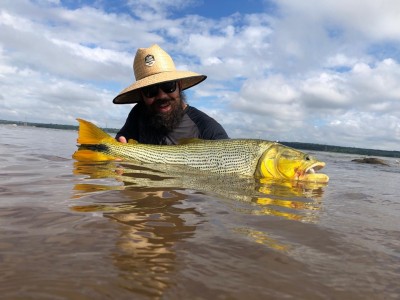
(132, 141)
(190, 141)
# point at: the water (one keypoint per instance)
(72, 230)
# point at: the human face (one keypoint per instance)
(162, 98)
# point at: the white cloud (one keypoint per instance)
(157, 9)
(373, 19)
(328, 108)
(314, 72)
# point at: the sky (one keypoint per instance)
(312, 71)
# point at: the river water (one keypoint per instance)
(72, 230)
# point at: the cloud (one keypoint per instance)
(376, 20)
(157, 9)
(305, 71)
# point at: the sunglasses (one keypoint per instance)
(152, 90)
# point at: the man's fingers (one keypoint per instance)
(122, 139)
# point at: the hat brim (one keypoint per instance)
(131, 94)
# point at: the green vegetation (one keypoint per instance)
(53, 126)
(338, 149)
(302, 146)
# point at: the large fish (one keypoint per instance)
(247, 157)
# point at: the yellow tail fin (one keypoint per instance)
(89, 134)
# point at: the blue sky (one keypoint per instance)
(313, 71)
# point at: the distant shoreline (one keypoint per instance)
(296, 145)
(54, 126)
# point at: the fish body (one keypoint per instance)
(246, 157)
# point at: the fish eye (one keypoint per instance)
(308, 157)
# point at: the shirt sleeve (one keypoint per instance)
(130, 128)
(209, 128)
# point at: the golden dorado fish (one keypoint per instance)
(246, 157)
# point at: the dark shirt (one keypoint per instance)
(194, 124)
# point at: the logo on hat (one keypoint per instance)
(149, 60)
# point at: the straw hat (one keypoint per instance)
(151, 66)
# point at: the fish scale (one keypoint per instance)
(230, 156)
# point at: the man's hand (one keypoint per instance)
(122, 139)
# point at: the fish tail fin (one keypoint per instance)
(92, 142)
(91, 155)
(91, 134)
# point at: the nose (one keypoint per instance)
(161, 94)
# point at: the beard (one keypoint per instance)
(167, 122)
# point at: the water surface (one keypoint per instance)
(71, 230)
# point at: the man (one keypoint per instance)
(161, 115)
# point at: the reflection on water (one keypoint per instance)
(145, 254)
(148, 204)
(263, 238)
(299, 201)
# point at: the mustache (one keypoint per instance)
(162, 101)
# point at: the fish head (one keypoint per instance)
(281, 162)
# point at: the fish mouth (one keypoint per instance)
(310, 173)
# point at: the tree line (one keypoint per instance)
(53, 126)
(296, 145)
(340, 149)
